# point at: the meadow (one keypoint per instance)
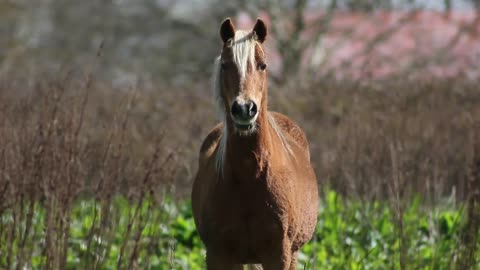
(161, 235)
(94, 176)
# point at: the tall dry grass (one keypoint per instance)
(395, 140)
(394, 136)
(63, 139)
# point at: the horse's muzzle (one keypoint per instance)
(244, 113)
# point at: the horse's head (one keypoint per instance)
(241, 78)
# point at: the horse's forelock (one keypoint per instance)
(243, 50)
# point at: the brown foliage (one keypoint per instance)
(360, 135)
(61, 140)
(64, 139)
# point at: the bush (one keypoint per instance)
(93, 176)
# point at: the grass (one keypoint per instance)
(149, 234)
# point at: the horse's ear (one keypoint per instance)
(260, 30)
(227, 30)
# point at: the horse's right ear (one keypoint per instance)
(227, 30)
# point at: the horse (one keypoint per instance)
(255, 195)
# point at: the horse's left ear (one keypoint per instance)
(227, 30)
(260, 30)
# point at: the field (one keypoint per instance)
(95, 177)
(161, 235)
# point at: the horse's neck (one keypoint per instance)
(250, 154)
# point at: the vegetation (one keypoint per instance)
(89, 179)
(161, 235)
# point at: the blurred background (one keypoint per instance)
(174, 42)
(366, 79)
(362, 77)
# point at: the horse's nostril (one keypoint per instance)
(252, 109)
(236, 109)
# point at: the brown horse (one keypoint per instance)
(255, 197)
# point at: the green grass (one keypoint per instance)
(149, 235)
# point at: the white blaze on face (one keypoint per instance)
(243, 48)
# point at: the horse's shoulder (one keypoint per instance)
(210, 142)
(288, 126)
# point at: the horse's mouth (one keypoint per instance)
(243, 127)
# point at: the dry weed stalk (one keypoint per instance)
(52, 154)
(470, 237)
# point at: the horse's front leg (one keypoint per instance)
(283, 262)
(281, 259)
(217, 262)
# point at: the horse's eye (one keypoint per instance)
(262, 66)
(226, 65)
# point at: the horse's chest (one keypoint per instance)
(250, 220)
(245, 203)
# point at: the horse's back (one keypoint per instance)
(296, 134)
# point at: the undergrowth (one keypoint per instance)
(161, 235)
(93, 177)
